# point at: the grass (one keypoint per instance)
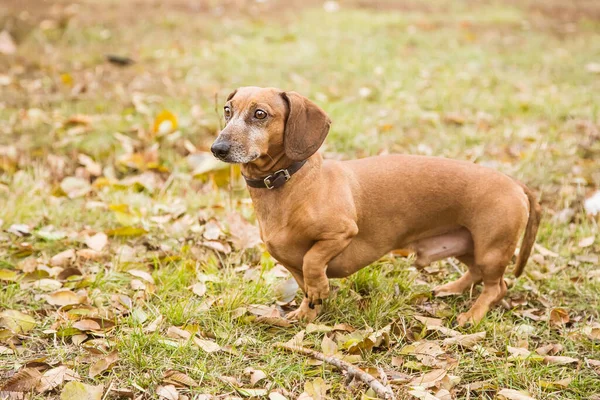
(505, 84)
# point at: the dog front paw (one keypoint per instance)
(304, 313)
(316, 292)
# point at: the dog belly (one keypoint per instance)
(356, 256)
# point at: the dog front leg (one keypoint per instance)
(314, 268)
(304, 312)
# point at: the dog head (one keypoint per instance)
(263, 122)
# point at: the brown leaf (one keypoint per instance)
(427, 321)
(592, 331)
(244, 235)
(551, 349)
(467, 341)
(87, 325)
(103, 364)
(256, 375)
(178, 378)
(81, 391)
(63, 259)
(178, 333)
(64, 297)
(207, 345)
(275, 321)
(168, 392)
(560, 360)
(429, 379)
(511, 394)
(554, 385)
(312, 328)
(55, 377)
(559, 317)
(23, 381)
(154, 325)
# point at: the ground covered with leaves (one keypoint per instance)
(130, 262)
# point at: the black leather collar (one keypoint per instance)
(277, 179)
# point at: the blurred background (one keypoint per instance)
(508, 83)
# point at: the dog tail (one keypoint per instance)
(533, 223)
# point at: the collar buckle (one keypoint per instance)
(269, 180)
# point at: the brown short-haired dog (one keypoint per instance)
(328, 219)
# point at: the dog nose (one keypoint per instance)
(220, 149)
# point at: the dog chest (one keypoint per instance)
(285, 247)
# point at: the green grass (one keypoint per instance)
(504, 84)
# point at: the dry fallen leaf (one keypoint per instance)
(178, 378)
(560, 360)
(207, 345)
(168, 392)
(551, 349)
(317, 389)
(75, 187)
(87, 325)
(97, 242)
(277, 396)
(559, 317)
(422, 394)
(244, 235)
(16, 321)
(467, 341)
(256, 375)
(555, 385)
(80, 391)
(178, 333)
(55, 377)
(429, 379)
(64, 297)
(63, 258)
(103, 364)
(511, 394)
(587, 241)
(329, 346)
(7, 44)
(142, 275)
(23, 381)
(199, 288)
(165, 122)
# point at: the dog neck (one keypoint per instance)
(265, 165)
(260, 169)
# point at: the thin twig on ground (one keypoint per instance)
(380, 389)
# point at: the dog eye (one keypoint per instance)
(227, 112)
(260, 114)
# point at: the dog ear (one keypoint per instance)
(231, 95)
(306, 127)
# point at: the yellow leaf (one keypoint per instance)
(165, 122)
(126, 231)
(8, 275)
(64, 297)
(80, 391)
(67, 79)
(16, 321)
